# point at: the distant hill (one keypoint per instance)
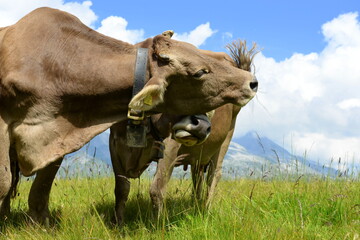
(252, 154)
(249, 155)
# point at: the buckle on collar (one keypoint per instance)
(135, 115)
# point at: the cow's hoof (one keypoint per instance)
(117, 221)
(42, 218)
(158, 212)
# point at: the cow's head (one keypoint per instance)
(188, 80)
(190, 129)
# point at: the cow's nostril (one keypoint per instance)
(254, 84)
(208, 130)
(194, 120)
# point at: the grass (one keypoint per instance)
(242, 209)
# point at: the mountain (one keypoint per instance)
(263, 147)
(259, 156)
(249, 155)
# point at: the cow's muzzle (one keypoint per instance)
(192, 130)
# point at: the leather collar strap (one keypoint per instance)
(139, 80)
(154, 131)
(140, 70)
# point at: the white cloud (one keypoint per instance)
(116, 27)
(349, 103)
(12, 11)
(345, 148)
(82, 11)
(197, 36)
(315, 94)
(340, 31)
(227, 35)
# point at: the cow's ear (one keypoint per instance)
(150, 96)
(153, 92)
(161, 46)
(168, 33)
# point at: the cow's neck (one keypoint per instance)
(100, 78)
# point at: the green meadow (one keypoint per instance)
(302, 208)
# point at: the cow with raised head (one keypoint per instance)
(62, 83)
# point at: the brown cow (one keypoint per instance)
(62, 83)
(130, 163)
(209, 155)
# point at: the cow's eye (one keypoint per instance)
(201, 72)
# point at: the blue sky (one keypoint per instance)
(309, 72)
(279, 27)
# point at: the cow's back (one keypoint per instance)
(2, 33)
(38, 34)
(26, 45)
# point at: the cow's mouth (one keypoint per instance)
(192, 130)
(185, 138)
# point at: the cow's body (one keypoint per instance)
(62, 83)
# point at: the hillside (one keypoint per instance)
(252, 154)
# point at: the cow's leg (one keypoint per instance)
(215, 169)
(162, 176)
(212, 177)
(15, 175)
(197, 175)
(122, 183)
(120, 154)
(122, 190)
(5, 187)
(158, 187)
(40, 192)
(5, 170)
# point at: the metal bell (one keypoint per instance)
(136, 134)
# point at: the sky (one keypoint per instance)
(308, 70)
